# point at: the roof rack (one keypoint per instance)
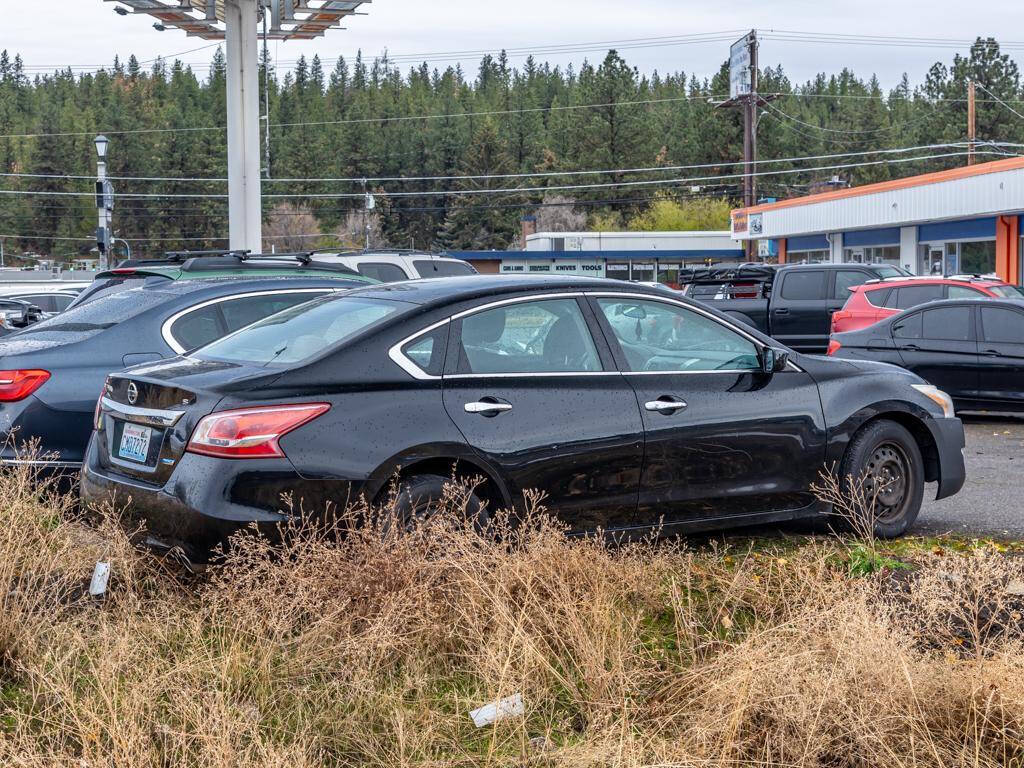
(208, 261)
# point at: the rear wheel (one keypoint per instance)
(886, 460)
(421, 497)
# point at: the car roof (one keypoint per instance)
(984, 282)
(446, 290)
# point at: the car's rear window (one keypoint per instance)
(105, 286)
(301, 332)
(79, 322)
(437, 268)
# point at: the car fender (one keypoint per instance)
(440, 459)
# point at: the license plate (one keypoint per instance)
(135, 443)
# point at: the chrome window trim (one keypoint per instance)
(154, 416)
(760, 345)
(407, 365)
(174, 344)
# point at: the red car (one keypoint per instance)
(878, 299)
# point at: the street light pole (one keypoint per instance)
(104, 201)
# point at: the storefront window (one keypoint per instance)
(978, 258)
(807, 257)
(642, 273)
(881, 254)
(668, 274)
(617, 271)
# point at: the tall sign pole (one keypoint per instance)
(743, 94)
(245, 214)
(236, 22)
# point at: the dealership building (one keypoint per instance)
(638, 256)
(960, 221)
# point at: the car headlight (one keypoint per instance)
(937, 396)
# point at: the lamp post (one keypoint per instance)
(104, 200)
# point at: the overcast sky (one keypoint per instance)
(87, 32)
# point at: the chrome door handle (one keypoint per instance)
(487, 409)
(663, 406)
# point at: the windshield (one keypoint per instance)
(301, 332)
(887, 271)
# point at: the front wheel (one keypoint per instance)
(885, 459)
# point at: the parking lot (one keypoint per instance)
(990, 502)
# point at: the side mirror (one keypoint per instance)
(774, 360)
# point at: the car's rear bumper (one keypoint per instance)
(207, 499)
(949, 442)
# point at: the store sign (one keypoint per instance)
(739, 67)
(739, 222)
(756, 224)
(513, 267)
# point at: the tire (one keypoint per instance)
(419, 495)
(887, 456)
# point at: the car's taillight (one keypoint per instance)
(250, 433)
(833, 346)
(17, 385)
(97, 417)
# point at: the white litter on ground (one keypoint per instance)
(100, 576)
(510, 706)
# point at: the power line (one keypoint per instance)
(524, 175)
(986, 90)
(509, 190)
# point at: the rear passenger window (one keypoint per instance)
(804, 285)
(533, 337)
(1002, 325)
(385, 273)
(908, 328)
(427, 352)
(911, 295)
(847, 279)
(239, 313)
(198, 328)
(878, 296)
(43, 301)
(948, 323)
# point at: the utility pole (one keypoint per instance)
(971, 113)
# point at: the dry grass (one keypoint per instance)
(372, 650)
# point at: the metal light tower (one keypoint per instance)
(104, 201)
(236, 22)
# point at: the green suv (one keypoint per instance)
(191, 265)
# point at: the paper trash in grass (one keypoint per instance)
(100, 576)
(510, 706)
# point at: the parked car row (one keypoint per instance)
(227, 381)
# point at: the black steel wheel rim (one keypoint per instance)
(888, 481)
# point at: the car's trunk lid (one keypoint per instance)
(149, 412)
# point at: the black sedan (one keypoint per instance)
(51, 372)
(971, 348)
(625, 405)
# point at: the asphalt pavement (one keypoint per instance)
(992, 500)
